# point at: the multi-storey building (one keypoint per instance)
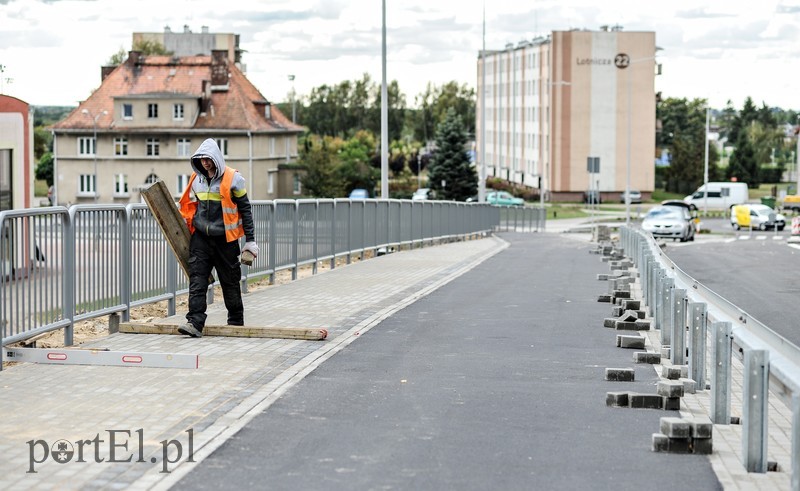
(152, 112)
(16, 154)
(553, 102)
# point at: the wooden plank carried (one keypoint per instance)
(309, 334)
(173, 226)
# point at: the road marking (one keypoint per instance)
(761, 237)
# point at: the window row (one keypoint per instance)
(87, 147)
(152, 111)
(87, 184)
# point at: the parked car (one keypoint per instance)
(422, 194)
(759, 217)
(671, 222)
(636, 196)
(359, 193)
(503, 198)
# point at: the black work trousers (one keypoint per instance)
(207, 253)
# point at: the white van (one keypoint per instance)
(718, 195)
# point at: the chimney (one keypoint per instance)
(133, 57)
(219, 69)
(105, 71)
(186, 29)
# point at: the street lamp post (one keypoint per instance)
(94, 117)
(294, 107)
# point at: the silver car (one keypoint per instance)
(671, 222)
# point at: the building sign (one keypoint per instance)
(622, 60)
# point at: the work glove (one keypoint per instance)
(252, 247)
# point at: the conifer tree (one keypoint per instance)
(451, 175)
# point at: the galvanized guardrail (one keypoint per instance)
(679, 304)
(59, 266)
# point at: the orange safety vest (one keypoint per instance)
(230, 213)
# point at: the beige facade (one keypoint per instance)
(16, 154)
(152, 112)
(573, 95)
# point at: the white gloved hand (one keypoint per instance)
(252, 247)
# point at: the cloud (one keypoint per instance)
(787, 9)
(700, 13)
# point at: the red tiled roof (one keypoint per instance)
(234, 108)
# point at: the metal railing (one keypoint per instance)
(59, 266)
(692, 316)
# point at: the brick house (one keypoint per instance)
(152, 112)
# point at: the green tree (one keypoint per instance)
(451, 174)
(743, 165)
(433, 103)
(355, 156)
(683, 132)
(44, 169)
(319, 157)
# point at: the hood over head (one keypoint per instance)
(208, 149)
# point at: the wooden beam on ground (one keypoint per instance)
(310, 334)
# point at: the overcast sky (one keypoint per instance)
(52, 50)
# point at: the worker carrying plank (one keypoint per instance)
(217, 211)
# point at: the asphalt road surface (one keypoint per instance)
(759, 275)
(494, 381)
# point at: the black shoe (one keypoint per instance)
(190, 330)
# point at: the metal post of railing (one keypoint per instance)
(678, 332)
(295, 228)
(316, 238)
(127, 263)
(273, 242)
(68, 282)
(754, 410)
(795, 442)
(722, 333)
(665, 310)
(698, 319)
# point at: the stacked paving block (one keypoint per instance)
(678, 435)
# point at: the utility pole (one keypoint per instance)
(384, 114)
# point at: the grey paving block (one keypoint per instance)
(620, 375)
(665, 350)
(703, 446)
(671, 372)
(631, 342)
(609, 322)
(645, 401)
(662, 443)
(622, 294)
(628, 316)
(604, 298)
(702, 428)
(617, 399)
(602, 277)
(625, 326)
(647, 357)
(629, 304)
(672, 403)
(689, 385)
(675, 427)
(643, 325)
(670, 388)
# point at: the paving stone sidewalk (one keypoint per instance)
(138, 428)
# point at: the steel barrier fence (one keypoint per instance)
(692, 317)
(59, 266)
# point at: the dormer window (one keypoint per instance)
(127, 111)
(268, 110)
